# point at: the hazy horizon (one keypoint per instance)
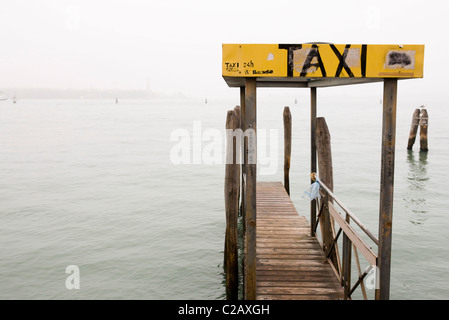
(176, 45)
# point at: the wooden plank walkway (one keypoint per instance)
(290, 263)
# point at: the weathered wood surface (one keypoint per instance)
(387, 187)
(250, 117)
(290, 263)
(287, 147)
(423, 124)
(325, 167)
(244, 146)
(413, 129)
(232, 188)
(313, 156)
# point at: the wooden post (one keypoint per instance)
(346, 265)
(413, 129)
(232, 183)
(244, 162)
(251, 170)
(287, 147)
(325, 169)
(313, 163)
(423, 124)
(238, 113)
(387, 187)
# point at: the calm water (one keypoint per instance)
(92, 184)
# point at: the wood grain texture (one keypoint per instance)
(423, 124)
(290, 263)
(232, 189)
(287, 147)
(387, 187)
(413, 129)
(250, 117)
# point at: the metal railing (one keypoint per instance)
(351, 242)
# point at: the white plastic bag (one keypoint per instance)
(314, 192)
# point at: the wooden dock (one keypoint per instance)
(290, 264)
(281, 258)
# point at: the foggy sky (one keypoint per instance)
(176, 44)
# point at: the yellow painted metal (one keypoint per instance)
(323, 61)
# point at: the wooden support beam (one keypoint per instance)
(238, 113)
(244, 162)
(232, 186)
(387, 187)
(346, 263)
(352, 235)
(313, 162)
(287, 147)
(251, 173)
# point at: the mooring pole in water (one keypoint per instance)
(251, 181)
(287, 147)
(387, 187)
(413, 129)
(326, 174)
(423, 124)
(232, 186)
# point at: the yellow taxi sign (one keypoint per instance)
(310, 61)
